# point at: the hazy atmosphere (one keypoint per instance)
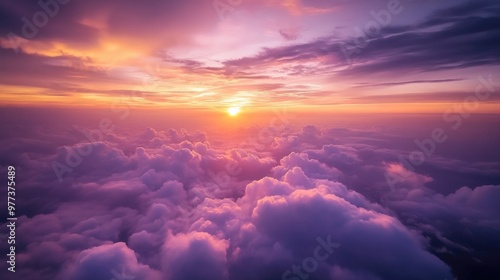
(250, 139)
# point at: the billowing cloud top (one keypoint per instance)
(309, 204)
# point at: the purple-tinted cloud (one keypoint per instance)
(149, 208)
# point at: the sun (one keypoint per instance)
(233, 111)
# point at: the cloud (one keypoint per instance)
(182, 253)
(144, 204)
(413, 82)
(76, 24)
(315, 213)
(127, 45)
(452, 38)
(106, 262)
(290, 34)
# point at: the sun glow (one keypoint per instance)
(233, 111)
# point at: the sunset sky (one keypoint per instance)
(250, 139)
(395, 56)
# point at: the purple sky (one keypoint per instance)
(344, 55)
(250, 140)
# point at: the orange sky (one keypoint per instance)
(253, 54)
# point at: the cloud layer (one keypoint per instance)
(171, 205)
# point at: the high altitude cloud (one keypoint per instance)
(458, 37)
(93, 51)
(159, 207)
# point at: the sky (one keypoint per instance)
(249, 140)
(354, 56)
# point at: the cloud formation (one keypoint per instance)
(149, 50)
(164, 205)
